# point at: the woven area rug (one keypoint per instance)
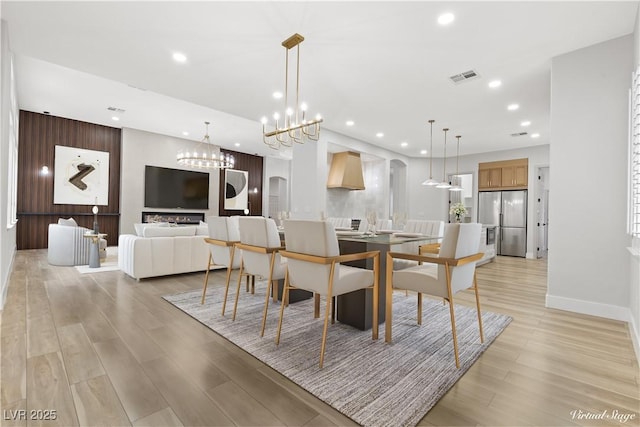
(372, 382)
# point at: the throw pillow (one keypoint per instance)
(68, 222)
(169, 231)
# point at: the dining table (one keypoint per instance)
(355, 308)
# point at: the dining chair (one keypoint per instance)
(314, 264)
(224, 234)
(452, 271)
(260, 243)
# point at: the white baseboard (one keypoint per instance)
(607, 311)
(531, 255)
(5, 281)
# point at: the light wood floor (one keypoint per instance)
(103, 349)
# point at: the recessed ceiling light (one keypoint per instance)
(350, 123)
(404, 144)
(495, 83)
(535, 135)
(185, 133)
(513, 107)
(379, 134)
(277, 95)
(423, 151)
(179, 57)
(114, 118)
(446, 18)
(525, 123)
(237, 144)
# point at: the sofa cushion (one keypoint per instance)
(169, 231)
(202, 230)
(139, 227)
(68, 222)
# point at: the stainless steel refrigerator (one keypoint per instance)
(507, 210)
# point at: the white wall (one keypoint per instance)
(588, 260)
(7, 233)
(433, 203)
(140, 148)
(634, 273)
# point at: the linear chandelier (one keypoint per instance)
(294, 126)
(205, 156)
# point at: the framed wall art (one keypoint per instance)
(236, 189)
(81, 177)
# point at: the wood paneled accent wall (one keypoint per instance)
(39, 134)
(254, 165)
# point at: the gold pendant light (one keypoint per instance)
(294, 126)
(444, 183)
(430, 181)
(457, 186)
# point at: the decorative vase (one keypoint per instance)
(459, 218)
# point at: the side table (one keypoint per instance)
(94, 253)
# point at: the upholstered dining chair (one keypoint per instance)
(224, 234)
(452, 271)
(314, 264)
(260, 243)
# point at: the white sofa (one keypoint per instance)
(161, 251)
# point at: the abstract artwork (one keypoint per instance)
(236, 191)
(81, 177)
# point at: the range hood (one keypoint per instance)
(346, 171)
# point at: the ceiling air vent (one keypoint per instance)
(116, 109)
(463, 77)
(519, 134)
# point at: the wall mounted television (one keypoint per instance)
(175, 188)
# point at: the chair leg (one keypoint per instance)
(453, 317)
(206, 279)
(324, 329)
(247, 285)
(475, 287)
(253, 284)
(235, 303)
(419, 308)
(266, 300)
(266, 307)
(229, 268)
(326, 314)
(285, 297)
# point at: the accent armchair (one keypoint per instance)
(260, 243)
(314, 264)
(452, 271)
(224, 233)
(68, 246)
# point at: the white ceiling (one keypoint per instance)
(384, 65)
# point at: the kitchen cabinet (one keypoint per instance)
(503, 175)
(489, 178)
